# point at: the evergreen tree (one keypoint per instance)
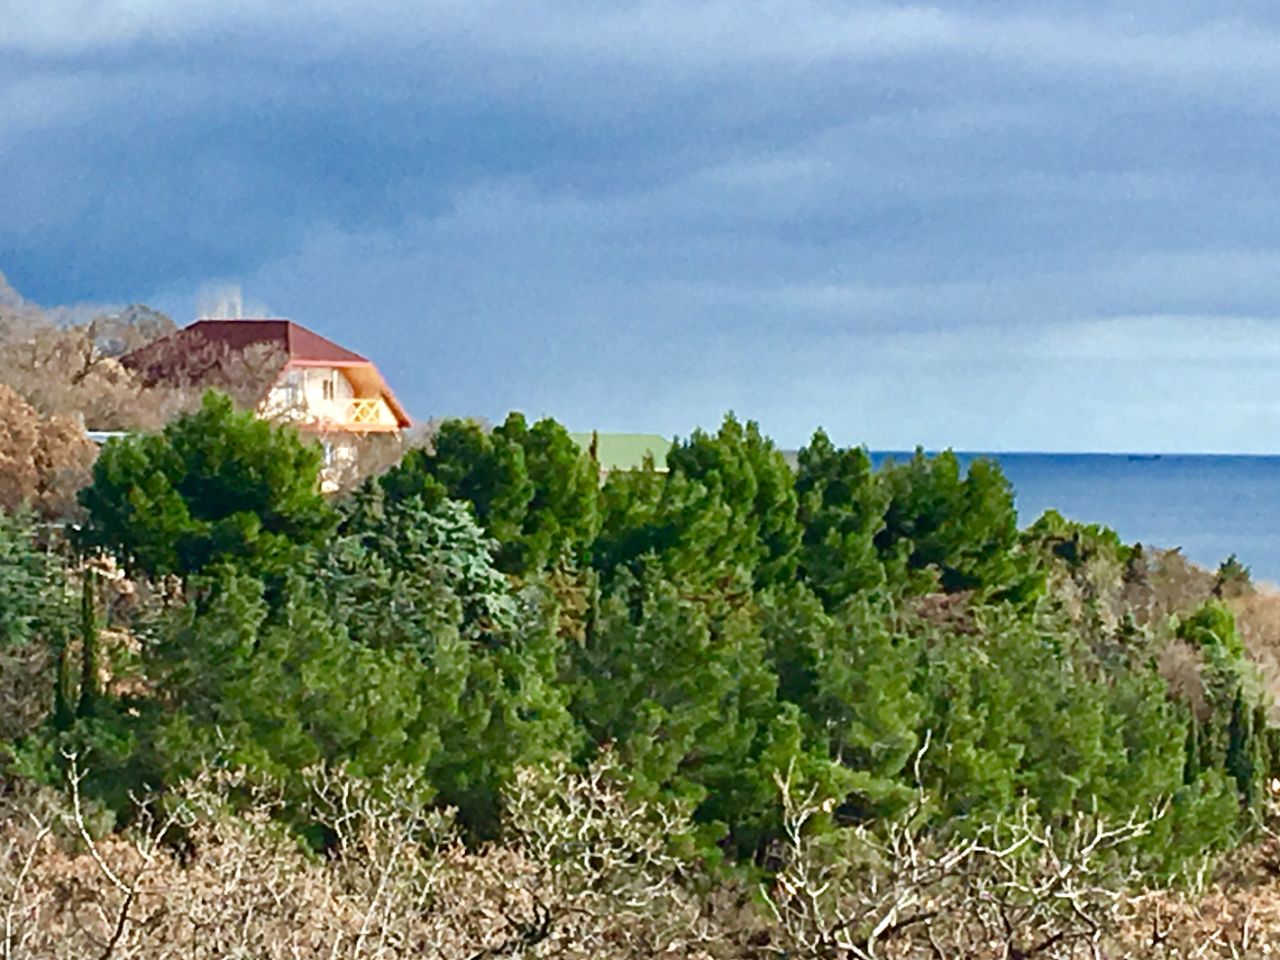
(841, 510)
(405, 578)
(560, 519)
(531, 488)
(950, 529)
(756, 486)
(672, 523)
(32, 593)
(214, 486)
(684, 689)
(854, 680)
(466, 462)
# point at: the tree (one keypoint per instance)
(36, 622)
(951, 529)
(32, 594)
(757, 488)
(669, 522)
(532, 488)
(560, 519)
(72, 369)
(841, 510)
(854, 680)
(684, 688)
(403, 578)
(214, 486)
(466, 462)
(1232, 580)
(44, 461)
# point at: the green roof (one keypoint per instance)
(626, 451)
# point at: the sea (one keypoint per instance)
(1210, 506)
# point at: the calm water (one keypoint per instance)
(1210, 506)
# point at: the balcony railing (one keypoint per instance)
(356, 414)
(363, 410)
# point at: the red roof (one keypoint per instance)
(298, 343)
(200, 354)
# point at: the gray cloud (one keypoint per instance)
(959, 223)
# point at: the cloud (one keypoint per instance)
(1233, 343)
(911, 222)
(1147, 38)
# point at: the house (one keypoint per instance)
(624, 451)
(282, 371)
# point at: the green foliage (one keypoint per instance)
(488, 605)
(399, 571)
(531, 488)
(1234, 734)
(1076, 544)
(1212, 630)
(950, 529)
(560, 519)
(669, 522)
(215, 486)
(841, 511)
(1022, 710)
(918, 527)
(32, 595)
(1233, 579)
(750, 477)
(684, 690)
(853, 680)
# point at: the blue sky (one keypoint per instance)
(985, 225)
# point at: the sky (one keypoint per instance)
(985, 225)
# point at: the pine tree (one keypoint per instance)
(216, 486)
(466, 462)
(841, 510)
(684, 690)
(757, 487)
(560, 519)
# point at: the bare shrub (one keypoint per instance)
(43, 460)
(185, 365)
(1012, 890)
(60, 371)
(1236, 916)
(208, 872)
(1177, 585)
(588, 874)
(1258, 622)
(1182, 668)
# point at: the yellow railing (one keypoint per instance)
(364, 410)
(358, 414)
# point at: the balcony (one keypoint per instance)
(354, 415)
(363, 411)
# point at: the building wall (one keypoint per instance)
(315, 395)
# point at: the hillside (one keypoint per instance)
(733, 704)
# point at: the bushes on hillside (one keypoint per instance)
(214, 486)
(488, 605)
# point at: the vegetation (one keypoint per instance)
(730, 708)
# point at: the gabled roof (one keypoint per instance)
(297, 342)
(248, 356)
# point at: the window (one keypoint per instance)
(330, 389)
(293, 388)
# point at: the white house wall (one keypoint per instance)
(299, 396)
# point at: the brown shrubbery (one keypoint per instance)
(43, 460)
(207, 873)
(582, 872)
(73, 370)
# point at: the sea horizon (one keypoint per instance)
(1210, 506)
